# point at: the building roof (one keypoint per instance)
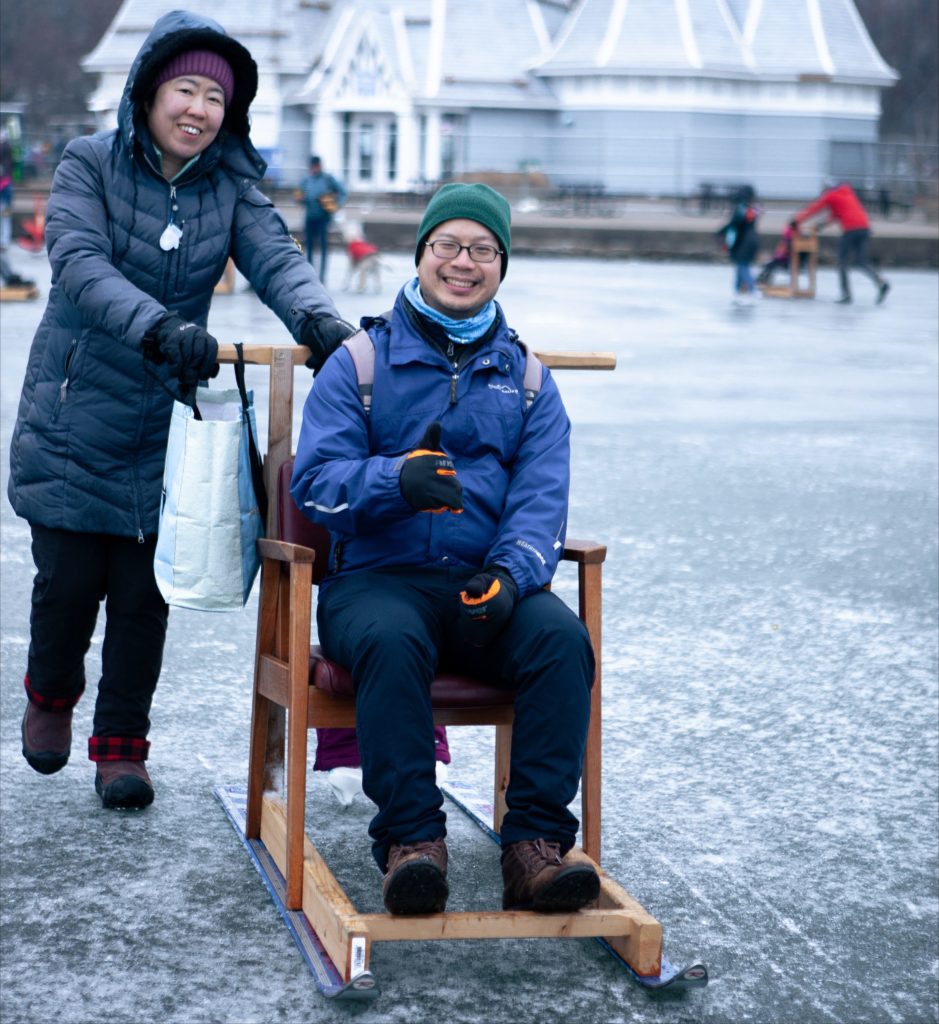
(756, 38)
(495, 53)
(814, 37)
(616, 36)
(282, 35)
(443, 52)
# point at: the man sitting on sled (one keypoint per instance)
(447, 506)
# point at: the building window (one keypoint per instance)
(392, 150)
(451, 145)
(365, 82)
(366, 151)
(346, 144)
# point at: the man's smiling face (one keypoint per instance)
(459, 287)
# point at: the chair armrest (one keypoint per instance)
(281, 551)
(584, 552)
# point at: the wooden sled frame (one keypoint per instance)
(285, 706)
(800, 244)
(18, 293)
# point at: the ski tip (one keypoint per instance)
(669, 979)
(695, 976)
(676, 979)
(362, 987)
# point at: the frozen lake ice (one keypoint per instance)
(766, 482)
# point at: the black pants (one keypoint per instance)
(852, 249)
(316, 231)
(392, 629)
(74, 573)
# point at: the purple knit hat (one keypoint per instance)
(200, 62)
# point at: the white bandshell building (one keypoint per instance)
(631, 97)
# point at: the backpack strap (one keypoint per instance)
(362, 349)
(531, 382)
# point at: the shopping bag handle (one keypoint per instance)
(186, 397)
(189, 398)
(257, 471)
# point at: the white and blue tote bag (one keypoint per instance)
(214, 503)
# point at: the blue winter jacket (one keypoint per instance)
(90, 439)
(514, 464)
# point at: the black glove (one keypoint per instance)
(486, 604)
(322, 335)
(428, 479)
(190, 352)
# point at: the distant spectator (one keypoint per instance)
(322, 196)
(740, 238)
(843, 206)
(6, 191)
(9, 277)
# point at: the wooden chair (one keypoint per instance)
(296, 689)
(802, 245)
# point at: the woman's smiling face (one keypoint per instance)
(184, 118)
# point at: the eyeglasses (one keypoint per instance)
(444, 249)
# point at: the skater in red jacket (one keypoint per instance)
(843, 205)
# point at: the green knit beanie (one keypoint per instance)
(472, 202)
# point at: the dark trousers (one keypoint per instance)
(74, 573)
(852, 249)
(316, 236)
(392, 629)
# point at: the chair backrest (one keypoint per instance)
(294, 527)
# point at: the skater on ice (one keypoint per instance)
(842, 205)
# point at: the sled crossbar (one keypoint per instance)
(347, 935)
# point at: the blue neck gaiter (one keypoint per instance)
(460, 332)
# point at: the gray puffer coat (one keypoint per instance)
(90, 439)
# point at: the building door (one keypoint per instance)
(370, 152)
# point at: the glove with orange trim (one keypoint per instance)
(486, 604)
(428, 479)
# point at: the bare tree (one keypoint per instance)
(41, 44)
(905, 32)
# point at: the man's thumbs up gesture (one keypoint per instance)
(428, 479)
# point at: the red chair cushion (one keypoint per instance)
(447, 690)
(294, 527)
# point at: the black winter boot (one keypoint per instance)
(123, 785)
(47, 738)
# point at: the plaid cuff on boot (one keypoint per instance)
(51, 703)
(117, 748)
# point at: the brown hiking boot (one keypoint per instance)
(416, 880)
(123, 785)
(47, 738)
(536, 878)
